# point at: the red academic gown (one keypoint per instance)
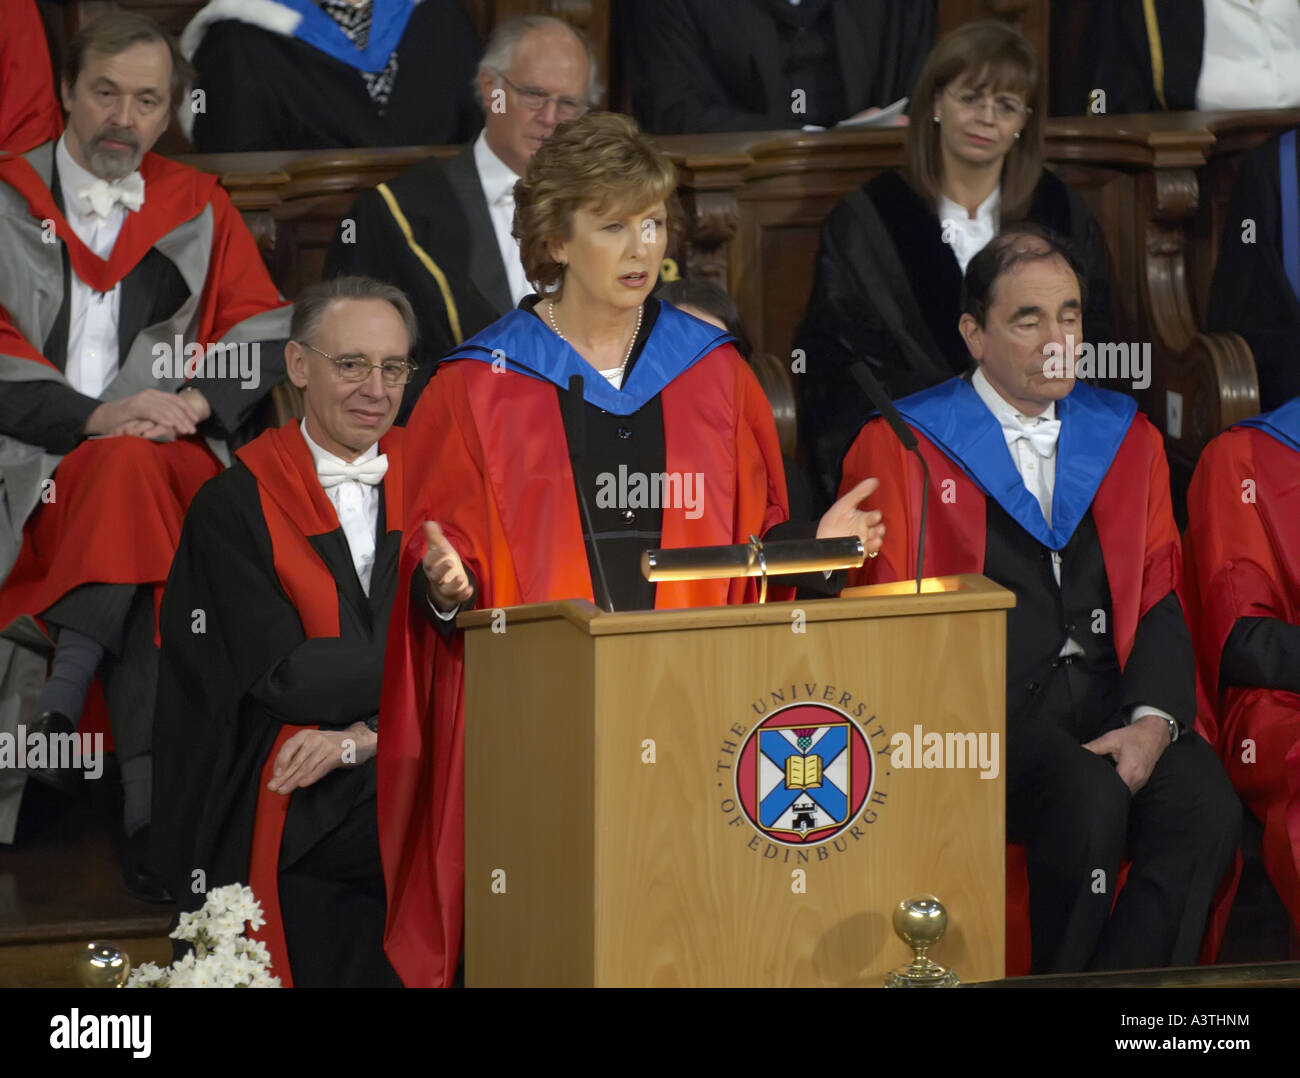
(296, 506)
(1243, 561)
(114, 512)
(493, 469)
(29, 107)
(1141, 551)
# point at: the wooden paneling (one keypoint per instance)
(52, 965)
(529, 807)
(755, 203)
(61, 887)
(1031, 17)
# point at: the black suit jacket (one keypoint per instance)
(699, 65)
(1160, 671)
(442, 204)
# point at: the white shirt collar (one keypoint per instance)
(318, 454)
(494, 175)
(999, 406)
(985, 213)
(74, 178)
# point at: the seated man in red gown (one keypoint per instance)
(124, 277)
(1242, 581)
(1059, 492)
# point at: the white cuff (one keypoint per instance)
(1142, 710)
(448, 616)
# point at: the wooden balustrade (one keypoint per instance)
(755, 202)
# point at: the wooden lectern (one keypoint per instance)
(708, 797)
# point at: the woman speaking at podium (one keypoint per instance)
(549, 451)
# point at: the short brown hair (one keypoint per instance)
(995, 57)
(312, 301)
(1004, 253)
(601, 160)
(116, 32)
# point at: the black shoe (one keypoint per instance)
(53, 726)
(136, 874)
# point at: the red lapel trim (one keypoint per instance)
(1141, 568)
(531, 480)
(174, 193)
(295, 506)
(264, 861)
(1142, 565)
(700, 413)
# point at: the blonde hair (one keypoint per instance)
(991, 56)
(600, 160)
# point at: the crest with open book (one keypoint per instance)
(804, 774)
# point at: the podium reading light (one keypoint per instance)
(754, 558)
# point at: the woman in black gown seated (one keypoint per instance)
(889, 270)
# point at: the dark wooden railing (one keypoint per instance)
(1158, 184)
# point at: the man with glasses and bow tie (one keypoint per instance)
(1059, 491)
(442, 230)
(273, 627)
(124, 277)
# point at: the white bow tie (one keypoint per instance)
(332, 472)
(1041, 435)
(100, 197)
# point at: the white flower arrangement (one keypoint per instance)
(222, 956)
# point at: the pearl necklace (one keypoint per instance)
(640, 313)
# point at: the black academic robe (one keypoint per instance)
(1251, 293)
(241, 666)
(266, 91)
(697, 65)
(887, 291)
(1120, 42)
(429, 233)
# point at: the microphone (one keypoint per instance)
(575, 422)
(876, 394)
